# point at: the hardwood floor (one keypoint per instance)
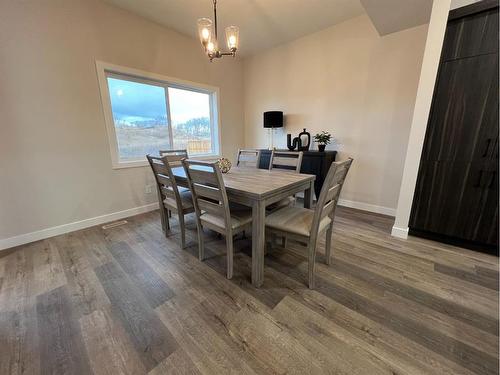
(127, 300)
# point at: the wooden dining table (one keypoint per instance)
(258, 188)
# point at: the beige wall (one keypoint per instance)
(55, 165)
(350, 81)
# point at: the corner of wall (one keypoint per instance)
(428, 74)
(399, 232)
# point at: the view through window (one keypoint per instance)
(149, 116)
(190, 116)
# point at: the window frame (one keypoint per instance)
(104, 70)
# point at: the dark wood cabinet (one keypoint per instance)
(313, 162)
(464, 118)
(472, 31)
(456, 196)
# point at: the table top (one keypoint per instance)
(256, 183)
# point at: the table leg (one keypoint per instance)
(308, 196)
(258, 242)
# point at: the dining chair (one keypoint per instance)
(288, 161)
(180, 152)
(170, 197)
(175, 162)
(305, 225)
(212, 207)
(248, 158)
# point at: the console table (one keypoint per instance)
(313, 162)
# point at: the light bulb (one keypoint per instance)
(232, 37)
(205, 34)
(204, 30)
(210, 47)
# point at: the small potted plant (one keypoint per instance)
(322, 139)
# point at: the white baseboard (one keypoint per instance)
(22, 239)
(368, 207)
(399, 232)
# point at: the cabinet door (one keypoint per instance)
(313, 164)
(471, 36)
(483, 226)
(265, 159)
(463, 123)
(447, 198)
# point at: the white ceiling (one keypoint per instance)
(461, 3)
(389, 16)
(263, 23)
(266, 23)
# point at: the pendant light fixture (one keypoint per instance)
(209, 40)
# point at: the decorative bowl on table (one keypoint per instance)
(224, 165)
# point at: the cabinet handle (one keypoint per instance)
(480, 177)
(488, 142)
(492, 181)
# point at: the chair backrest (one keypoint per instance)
(207, 187)
(287, 160)
(330, 192)
(165, 180)
(248, 158)
(174, 156)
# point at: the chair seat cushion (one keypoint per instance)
(296, 220)
(285, 202)
(186, 200)
(239, 218)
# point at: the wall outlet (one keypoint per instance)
(148, 189)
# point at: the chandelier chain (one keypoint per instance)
(215, 18)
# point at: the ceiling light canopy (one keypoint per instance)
(207, 32)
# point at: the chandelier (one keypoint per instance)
(208, 37)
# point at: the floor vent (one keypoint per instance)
(115, 224)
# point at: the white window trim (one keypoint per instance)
(103, 68)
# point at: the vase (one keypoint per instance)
(305, 143)
(224, 165)
(321, 148)
(296, 143)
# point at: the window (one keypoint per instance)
(190, 116)
(146, 113)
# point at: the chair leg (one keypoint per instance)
(162, 213)
(167, 221)
(201, 244)
(183, 230)
(229, 245)
(284, 242)
(162, 220)
(273, 241)
(328, 246)
(312, 263)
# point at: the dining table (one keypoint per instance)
(259, 188)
